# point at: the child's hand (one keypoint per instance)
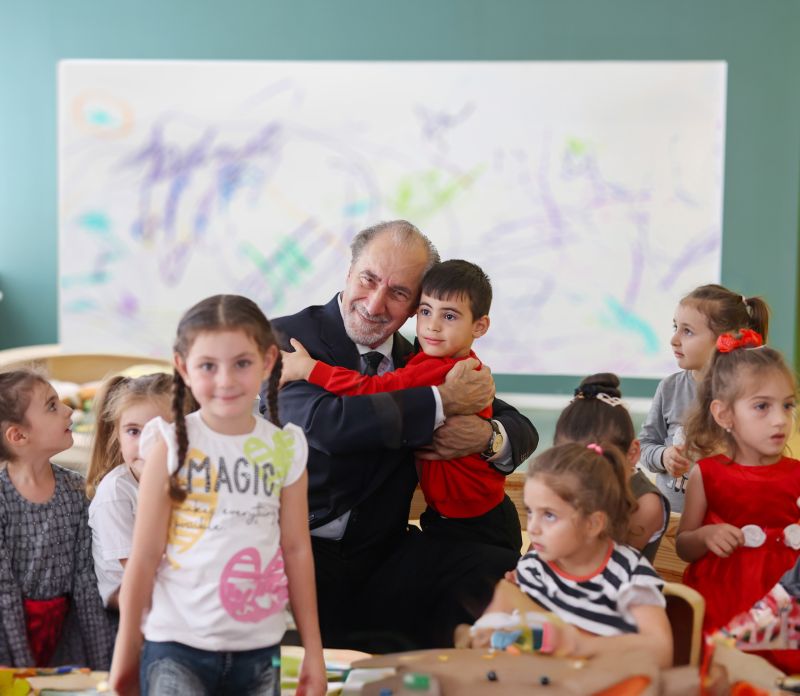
(296, 365)
(313, 679)
(722, 539)
(567, 641)
(675, 462)
(124, 679)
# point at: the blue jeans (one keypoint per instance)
(169, 669)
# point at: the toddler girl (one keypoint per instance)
(739, 526)
(700, 317)
(122, 407)
(50, 611)
(578, 566)
(598, 413)
(221, 537)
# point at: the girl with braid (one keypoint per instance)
(221, 539)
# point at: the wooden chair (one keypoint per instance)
(667, 563)
(685, 610)
(74, 367)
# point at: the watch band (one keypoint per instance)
(495, 443)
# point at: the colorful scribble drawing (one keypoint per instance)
(591, 193)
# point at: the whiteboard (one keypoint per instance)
(590, 192)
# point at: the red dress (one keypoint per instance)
(766, 496)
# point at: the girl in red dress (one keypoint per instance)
(739, 529)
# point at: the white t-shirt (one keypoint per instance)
(221, 585)
(111, 516)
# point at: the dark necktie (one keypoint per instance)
(373, 359)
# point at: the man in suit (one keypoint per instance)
(380, 584)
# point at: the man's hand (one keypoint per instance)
(675, 462)
(467, 390)
(296, 365)
(458, 437)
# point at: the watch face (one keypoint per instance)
(497, 443)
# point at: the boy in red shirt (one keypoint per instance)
(466, 497)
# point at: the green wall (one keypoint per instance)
(759, 39)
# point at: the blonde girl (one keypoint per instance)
(700, 317)
(122, 407)
(578, 566)
(221, 539)
(739, 527)
(51, 612)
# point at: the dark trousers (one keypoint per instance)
(408, 592)
(498, 527)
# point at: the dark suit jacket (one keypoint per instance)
(361, 447)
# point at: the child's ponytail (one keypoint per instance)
(701, 431)
(272, 391)
(619, 516)
(178, 414)
(106, 452)
(758, 311)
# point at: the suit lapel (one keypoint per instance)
(342, 350)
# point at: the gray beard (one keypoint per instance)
(365, 337)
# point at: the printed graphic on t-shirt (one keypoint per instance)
(243, 483)
(250, 593)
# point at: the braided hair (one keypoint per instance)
(217, 313)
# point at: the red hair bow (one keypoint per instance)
(747, 339)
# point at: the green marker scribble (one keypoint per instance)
(288, 261)
(576, 146)
(422, 194)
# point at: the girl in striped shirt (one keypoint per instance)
(607, 594)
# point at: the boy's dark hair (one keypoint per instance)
(459, 278)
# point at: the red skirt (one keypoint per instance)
(44, 620)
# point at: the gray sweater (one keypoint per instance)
(671, 402)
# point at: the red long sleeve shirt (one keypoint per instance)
(463, 487)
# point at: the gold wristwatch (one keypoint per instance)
(495, 443)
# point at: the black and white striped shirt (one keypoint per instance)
(599, 603)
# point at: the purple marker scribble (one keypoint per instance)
(173, 264)
(128, 305)
(641, 221)
(691, 254)
(436, 124)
